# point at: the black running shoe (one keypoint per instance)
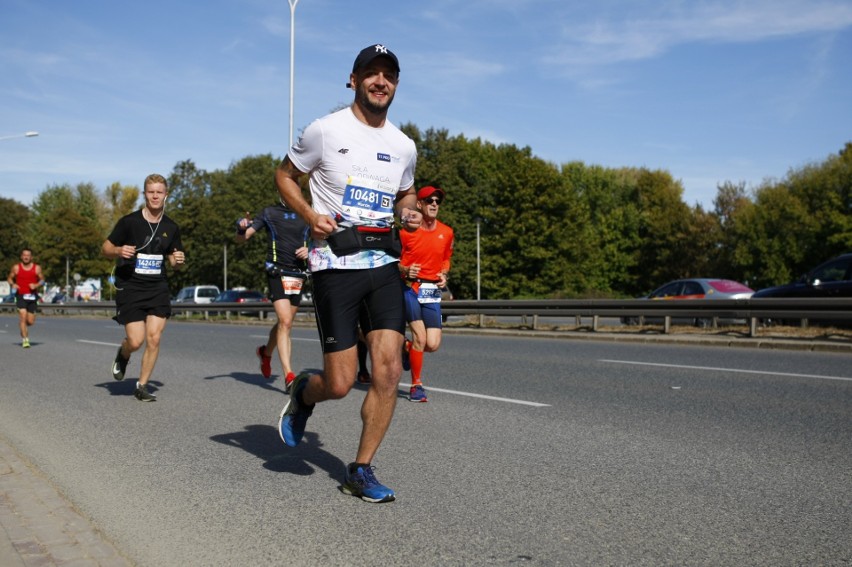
(142, 394)
(119, 366)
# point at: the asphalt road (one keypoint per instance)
(533, 451)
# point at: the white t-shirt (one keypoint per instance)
(355, 172)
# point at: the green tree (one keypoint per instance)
(190, 206)
(68, 224)
(206, 206)
(665, 250)
(603, 241)
(76, 239)
(792, 225)
(13, 233)
(120, 200)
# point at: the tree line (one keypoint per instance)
(545, 230)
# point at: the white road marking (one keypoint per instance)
(442, 390)
(481, 396)
(715, 369)
(292, 338)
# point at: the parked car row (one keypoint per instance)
(832, 278)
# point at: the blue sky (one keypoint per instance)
(711, 91)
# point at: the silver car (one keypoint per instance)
(694, 288)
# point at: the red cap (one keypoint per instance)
(428, 191)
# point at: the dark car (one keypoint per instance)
(239, 296)
(830, 279)
(694, 288)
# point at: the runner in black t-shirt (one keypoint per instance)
(142, 242)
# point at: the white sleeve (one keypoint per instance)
(306, 153)
(407, 179)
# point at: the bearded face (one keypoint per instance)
(375, 86)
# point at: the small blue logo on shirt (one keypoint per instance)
(383, 157)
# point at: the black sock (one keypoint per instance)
(353, 467)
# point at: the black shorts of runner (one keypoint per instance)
(132, 305)
(277, 291)
(28, 304)
(345, 299)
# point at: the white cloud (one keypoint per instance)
(649, 32)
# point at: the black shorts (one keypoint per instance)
(28, 304)
(277, 292)
(133, 305)
(345, 299)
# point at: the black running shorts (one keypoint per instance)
(133, 305)
(345, 299)
(28, 304)
(276, 290)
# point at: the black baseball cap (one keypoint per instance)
(369, 53)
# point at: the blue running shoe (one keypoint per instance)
(417, 394)
(294, 416)
(363, 483)
(406, 359)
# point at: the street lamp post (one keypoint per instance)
(29, 134)
(292, 62)
(478, 274)
(225, 266)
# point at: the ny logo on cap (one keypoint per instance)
(381, 49)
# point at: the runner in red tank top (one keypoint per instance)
(26, 278)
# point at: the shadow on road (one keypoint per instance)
(263, 442)
(127, 386)
(249, 378)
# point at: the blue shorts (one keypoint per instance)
(346, 299)
(429, 313)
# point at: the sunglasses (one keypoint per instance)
(432, 200)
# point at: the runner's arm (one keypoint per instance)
(40, 275)
(287, 180)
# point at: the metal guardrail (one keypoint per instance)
(750, 311)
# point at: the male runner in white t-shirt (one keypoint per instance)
(361, 174)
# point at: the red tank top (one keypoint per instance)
(25, 278)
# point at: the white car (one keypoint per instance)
(197, 294)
